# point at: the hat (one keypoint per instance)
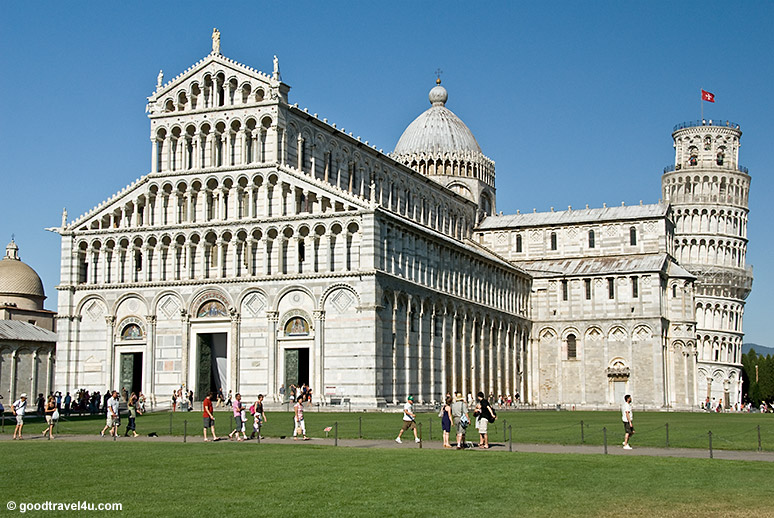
(459, 397)
(411, 398)
(24, 395)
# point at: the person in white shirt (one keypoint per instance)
(112, 416)
(626, 417)
(409, 420)
(19, 409)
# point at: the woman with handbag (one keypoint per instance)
(446, 421)
(51, 411)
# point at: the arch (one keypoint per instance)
(338, 286)
(206, 294)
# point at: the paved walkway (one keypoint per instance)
(409, 443)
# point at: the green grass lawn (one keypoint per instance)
(686, 430)
(299, 479)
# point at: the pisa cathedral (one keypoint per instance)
(266, 246)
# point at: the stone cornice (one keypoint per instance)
(231, 280)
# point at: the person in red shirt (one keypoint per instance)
(209, 419)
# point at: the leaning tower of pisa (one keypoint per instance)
(708, 191)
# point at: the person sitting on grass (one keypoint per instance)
(409, 420)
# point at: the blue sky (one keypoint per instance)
(575, 101)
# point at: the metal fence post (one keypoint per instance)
(583, 439)
(336, 433)
(420, 435)
(667, 435)
(604, 433)
(710, 444)
(510, 439)
(360, 427)
(185, 430)
(505, 422)
(759, 438)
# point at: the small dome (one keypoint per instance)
(437, 130)
(17, 278)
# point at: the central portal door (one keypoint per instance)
(212, 364)
(296, 367)
(131, 372)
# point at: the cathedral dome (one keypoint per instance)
(17, 279)
(437, 130)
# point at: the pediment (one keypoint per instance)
(196, 87)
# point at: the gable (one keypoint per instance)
(214, 82)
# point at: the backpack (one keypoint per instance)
(492, 414)
(252, 409)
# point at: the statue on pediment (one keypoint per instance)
(215, 41)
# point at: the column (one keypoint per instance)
(433, 343)
(154, 155)
(318, 381)
(407, 348)
(395, 347)
(166, 164)
(149, 377)
(464, 374)
(420, 353)
(271, 343)
(233, 346)
(185, 321)
(14, 368)
(498, 384)
(110, 320)
(454, 351)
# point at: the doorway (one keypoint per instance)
(131, 372)
(212, 364)
(296, 367)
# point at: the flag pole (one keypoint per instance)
(701, 102)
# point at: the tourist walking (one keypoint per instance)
(220, 401)
(258, 417)
(68, 399)
(133, 411)
(626, 417)
(19, 408)
(409, 420)
(238, 418)
(485, 414)
(446, 421)
(209, 418)
(298, 420)
(460, 418)
(50, 410)
(112, 419)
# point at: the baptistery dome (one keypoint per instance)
(19, 283)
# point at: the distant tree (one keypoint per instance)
(766, 376)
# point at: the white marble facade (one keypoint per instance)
(266, 246)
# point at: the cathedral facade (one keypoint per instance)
(267, 247)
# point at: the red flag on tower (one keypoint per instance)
(706, 96)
